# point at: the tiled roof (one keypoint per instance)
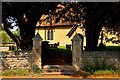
(57, 24)
(44, 22)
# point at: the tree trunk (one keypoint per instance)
(92, 35)
(27, 32)
(25, 40)
(27, 16)
(15, 38)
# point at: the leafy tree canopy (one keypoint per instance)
(26, 16)
(92, 15)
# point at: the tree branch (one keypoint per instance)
(15, 38)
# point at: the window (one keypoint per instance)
(50, 35)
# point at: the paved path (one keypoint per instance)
(59, 79)
(56, 77)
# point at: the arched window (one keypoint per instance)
(50, 35)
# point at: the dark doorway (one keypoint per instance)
(51, 55)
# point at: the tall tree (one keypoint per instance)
(27, 15)
(99, 15)
(93, 15)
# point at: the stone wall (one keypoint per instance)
(4, 48)
(101, 58)
(15, 60)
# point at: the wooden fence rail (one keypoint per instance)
(53, 46)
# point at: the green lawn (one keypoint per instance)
(112, 48)
(61, 47)
(107, 48)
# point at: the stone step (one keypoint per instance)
(57, 73)
(58, 69)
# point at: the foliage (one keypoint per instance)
(112, 48)
(88, 66)
(22, 72)
(62, 47)
(97, 64)
(17, 72)
(82, 73)
(60, 50)
(93, 16)
(99, 15)
(26, 16)
(105, 72)
(99, 68)
(4, 37)
(109, 48)
(16, 33)
(36, 70)
(110, 35)
(73, 12)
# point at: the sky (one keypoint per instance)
(13, 22)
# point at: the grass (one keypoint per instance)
(112, 48)
(98, 73)
(99, 67)
(60, 50)
(61, 47)
(105, 72)
(17, 72)
(107, 48)
(22, 72)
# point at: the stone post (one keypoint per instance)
(37, 50)
(77, 47)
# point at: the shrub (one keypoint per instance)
(17, 72)
(97, 64)
(4, 37)
(105, 72)
(36, 70)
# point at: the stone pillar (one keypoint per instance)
(37, 50)
(77, 47)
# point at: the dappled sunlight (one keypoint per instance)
(110, 37)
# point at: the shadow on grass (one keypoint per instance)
(109, 48)
(80, 74)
